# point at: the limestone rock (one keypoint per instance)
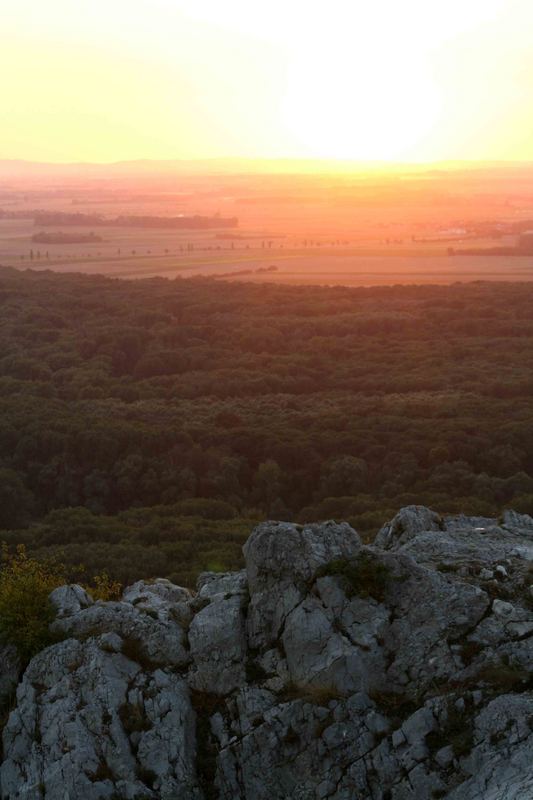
(326, 670)
(499, 765)
(281, 559)
(68, 600)
(160, 599)
(160, 641)
(522, 522)
(217, 636)
(94, 724)
(406, 524)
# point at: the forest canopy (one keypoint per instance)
(147, 425)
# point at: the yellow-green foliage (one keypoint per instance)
(25, 611)
(103, 588)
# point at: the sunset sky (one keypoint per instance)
(416, 80)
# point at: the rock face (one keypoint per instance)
(326, 670)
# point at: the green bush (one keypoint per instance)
(25, 610)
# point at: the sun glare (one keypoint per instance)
(360, 103)
(350, 80)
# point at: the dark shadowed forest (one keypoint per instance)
(147, 425)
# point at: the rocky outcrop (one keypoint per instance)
(326, 670)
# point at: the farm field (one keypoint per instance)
(316, 268)
(292, 229)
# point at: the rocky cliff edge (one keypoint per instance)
(326, 670)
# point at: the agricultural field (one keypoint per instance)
(292, 229)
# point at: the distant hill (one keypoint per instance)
(31, 170)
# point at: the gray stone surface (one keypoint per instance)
(158, 636)
(406, 524)
(281, 560)
(95, 724)
(68, 600)
(217, 636)
(326, 670)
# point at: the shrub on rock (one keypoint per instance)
(25, 608)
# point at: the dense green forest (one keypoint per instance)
(147, 425)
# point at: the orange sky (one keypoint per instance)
(416, 80)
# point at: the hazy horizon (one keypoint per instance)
(240, 166)
(353, 144)
(356, 163)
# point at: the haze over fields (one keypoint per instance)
(350, 144)
(290, 222)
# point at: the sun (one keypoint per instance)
(357, 100)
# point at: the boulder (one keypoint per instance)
(407, 523)
(68, 600)
(281, 561)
